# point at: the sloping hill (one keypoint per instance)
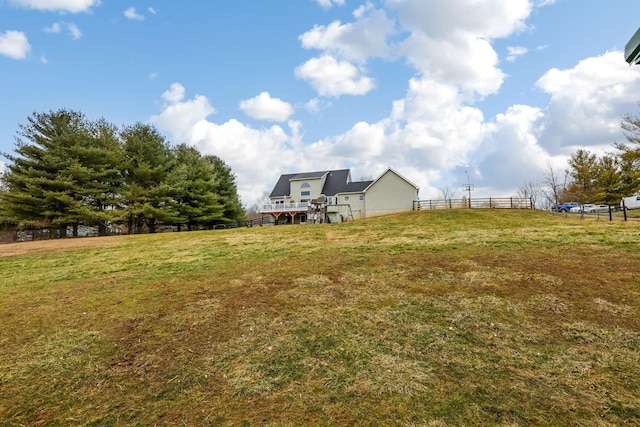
(437, 318)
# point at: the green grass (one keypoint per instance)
(481, 317)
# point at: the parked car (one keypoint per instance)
(598, 208)
(565, 207)
(590, 208)
(582, 208)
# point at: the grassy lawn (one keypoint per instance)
(438, 318)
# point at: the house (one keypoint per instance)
(332, 196)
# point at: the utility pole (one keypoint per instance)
(469, 188)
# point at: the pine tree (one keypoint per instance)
(62, 172)
(227, 190)
(629, 155)
(146, 195)
(193, 184)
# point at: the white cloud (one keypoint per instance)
(152, 11)
(255, 155)
(71, 6)
(263, 107)
(131, 13)
(433, 132)
(174, 94)
(587, 102)
(57, 28)
(316, 105)
(333, 78)
(14, 44)
(510, 152)
(366, 37)
(442, 42)
(488, 19)
(326, 4)
(513, 52)
(75, 31)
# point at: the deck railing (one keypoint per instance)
(284, 207)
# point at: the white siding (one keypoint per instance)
(315, 188)
(390, 193)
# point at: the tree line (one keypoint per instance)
(590, 178)
(68, 171)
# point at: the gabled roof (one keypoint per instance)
(283, 187)
(400, 176)
(337, 181)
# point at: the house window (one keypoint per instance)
(305, 185)
(305, 193)
(361, 197)
(346, 198)
(330, 200)
(279, 202)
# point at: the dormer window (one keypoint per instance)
(305, 185)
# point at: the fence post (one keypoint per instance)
(624, 209)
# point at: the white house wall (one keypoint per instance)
(315, 188)
(389, 194)
(357, 205)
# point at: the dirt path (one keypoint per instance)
(39, 246)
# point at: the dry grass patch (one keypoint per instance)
(425, 319)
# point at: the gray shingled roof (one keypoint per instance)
(336, 182)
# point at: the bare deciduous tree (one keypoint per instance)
(554, 185)
(531, 190)
(447, 193)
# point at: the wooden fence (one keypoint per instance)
(479, 203)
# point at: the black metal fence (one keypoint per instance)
(479, 203)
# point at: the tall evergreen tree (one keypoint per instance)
(629, 155)
(608, 181)
(146, 195)
(193, 183)
(227, 190)
(59, 171)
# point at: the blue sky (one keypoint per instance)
(499, 89)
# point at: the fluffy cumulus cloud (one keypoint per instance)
(333, 78)
(587, 102)
(254, 155)
(174, 94)
(435, 131)
(71, 6)
(264, 107)
(442, 40)
(14, 44)
(364, 38)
